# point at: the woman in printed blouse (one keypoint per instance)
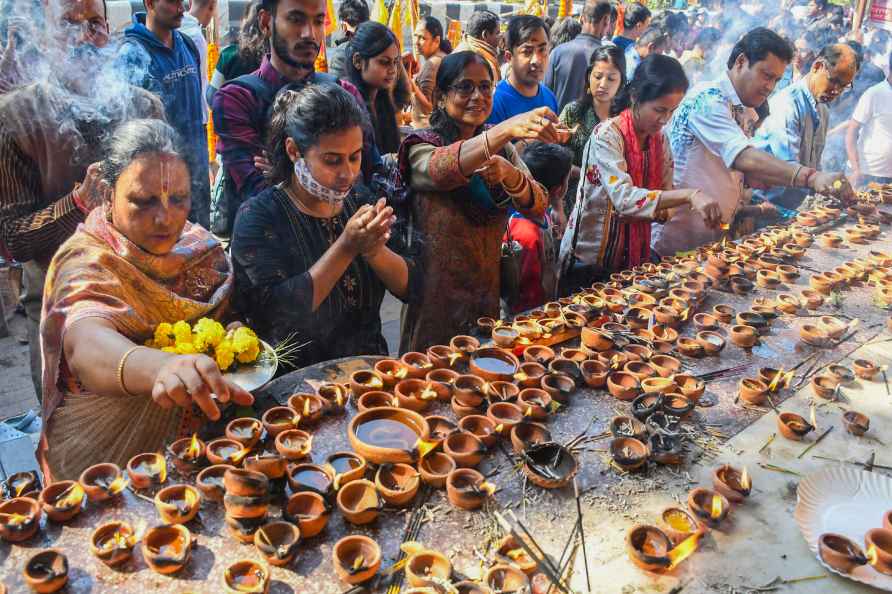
(310, 252)
(606, 77)
(627, 181)
(463, 181)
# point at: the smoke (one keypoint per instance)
(80, 67)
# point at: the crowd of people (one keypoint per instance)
(532, 159)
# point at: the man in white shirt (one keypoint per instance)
(199, 16)
(713, 150)
(870, 156)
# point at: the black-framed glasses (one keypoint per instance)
(466, 88)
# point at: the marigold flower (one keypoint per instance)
(207, 333)
(224, 355)
(164, 335)
(182, 332)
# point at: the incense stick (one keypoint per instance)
(588, 582)
(816, 442)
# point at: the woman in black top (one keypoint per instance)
(310, 253)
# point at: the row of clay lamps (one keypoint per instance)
(661, 549)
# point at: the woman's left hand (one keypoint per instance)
(498, 170)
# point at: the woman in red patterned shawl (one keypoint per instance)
(463, 180)
(134, 263)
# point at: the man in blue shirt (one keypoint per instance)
(568, 63)
(527, 46)
(796, 130)
(653, 41)
(162, 60)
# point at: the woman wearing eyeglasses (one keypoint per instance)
(460, 182)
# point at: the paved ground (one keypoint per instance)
(17, 392)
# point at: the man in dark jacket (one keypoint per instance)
(162, 60)
(351, 14)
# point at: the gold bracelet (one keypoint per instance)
(486, 151)
(517, 188)
(121, 370)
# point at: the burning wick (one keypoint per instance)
(685, 549)
(716, 509)
(194, 449)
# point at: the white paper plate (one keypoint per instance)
(847, 501)
(257, 374)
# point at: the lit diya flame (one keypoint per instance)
(615, 362)
(295, 420)
(454, 356)
(716, 509)
(70, 497)
(399, 373)
(428, 393)
(685, 549)
(336, 483)
(685, 314)
(772, 387)
(306, 407)
(745, 481)
(871, 554)
(237, 457)
(814, 421)
(424, 447)
(339, 398)
(358, 564)
(114, 487)
(528, 411)
(520, 376)
(837, 185)
(486, 488)
(15, 519)
(194, 449)
(119, 540)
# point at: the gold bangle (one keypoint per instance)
(121, 370)
(486, 152)
(518, 187)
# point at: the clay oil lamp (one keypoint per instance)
(665, 365)
(397, 483)
(744, 336)
(440, 427)
(640, 370)
(167, 549)
(46, 571)
(62, 500)
(465, 346)
(840, 553)
(824, 386)
(19, 519)
(638, 352)
(427, 568)
(279, 419)
(210, 481)
(689, 347)
(649, 548)
(507, 579)
(802, 239)
(753, 391)
(269, 462)
(751, 318)
(596, 339)
(335, 397)
(22, 484)
(345, 467)
(294, 444)
(567, 367)
(356, 558)
(391, 371)
(775, 379)
(538, 354)
(677, 405)
(246, 431)
(793, 426)
(788, 304)
(723, 313)
(623, 426)
(678, 524)
(535, 404)
(359, 502)
(102, 482)
(505, 336)
(467, 489)
(880, 259)
(614, 360)
(470, 389)
(856, 423)
(740, 285)
(244, 528)
(246, 576)
(666, 449)
(833, 327)
(177, 504)
(645, 405)
(705, 321)
(657, 385)
(463, 409)
(820, 283)
(440, 355)
(829, 240)
(481, 426)
(665, 333)
(502, 391)
(362, 381)
(878, 546)
(445, 378)
(505, 415)
(113, 542)
(310, 477)
(466, 449)
(311, 407)
(416, 394)
(623, 386)
(807, 220)
(486, 324)
(227, 451)
(417, 364)
(187, 454)
(711, 342)
(638, 317)
(309, 511)
(843, 374)
(493, 364)
(530, 375)
(526, 434)
(689, 386)
(708, 506)
(435, 467)
(787, 273)
(629, 453)
(559, 386)
(733, 484)
(594, 373)
(793, 251)
(512, 552)
(668, 316)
